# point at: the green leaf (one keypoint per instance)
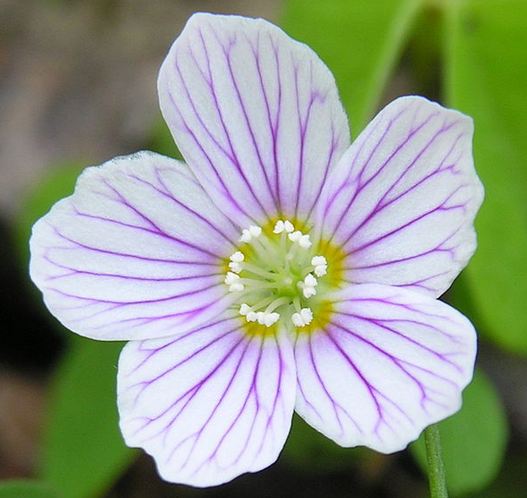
(473, 440)
(161, 140)
(512, 480)
(486, 78)
(26, 489)
(309, 450)
(359, 40)
(83, 451)
(58, 183)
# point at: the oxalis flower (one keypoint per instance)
(281, 270)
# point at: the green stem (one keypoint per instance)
(436, 469)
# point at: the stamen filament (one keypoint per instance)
(258, 271)
(256, 284)
(277, 303)
(296, 304)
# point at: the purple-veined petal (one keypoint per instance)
(390, 362)
(134, 253)
(255, 114)
(403, 198)
(210, 404)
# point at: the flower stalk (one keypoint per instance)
(436, 468)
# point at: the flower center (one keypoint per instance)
(276, 275)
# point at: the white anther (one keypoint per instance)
(233, 281)
(304, 242)
(309, 292)
(319, 260)
(289, 228)
(231, 278)
(321, 265)
(321, 270)
(262, 317)
(235, 267)
(297, 320)
(246, 235)
(308, 286)
(255, 231)
(237, 257)
(250, 233)
(307, 315)
(245, 309)
(279, 227)
(303, 318)
(310, 280)
(271, 319)
(295, 236)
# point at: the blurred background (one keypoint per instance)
(78, 86)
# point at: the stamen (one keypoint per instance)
(276, 303)
(237, 257)
(318, 260)
(265, 277)
(271, 319)
(233, 281)
(257, 270)
(307, 315)
(301, 239)
(321, 270)
(231, 278)
(295, 236)
(267, 319)
(256, 284)
(245, 309)
(310, 280)
(321, 265)
(308, 286)
(304, 242)
(235, 266)
(309, 292)
(281, 226)
(303, 318)
(253, 232)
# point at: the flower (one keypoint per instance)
(282, 269)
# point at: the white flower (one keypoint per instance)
(282, 269)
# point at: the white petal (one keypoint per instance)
(208, 405)
(402, 200)
(134, 253)
(390, 362)
(255, 114)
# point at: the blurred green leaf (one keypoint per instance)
(486, 77)
(57, 183)
(308, 450)
(25, 489)
(161, 140)
(359, 40)
(473, 440)
(83, 451)
(512, 480)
